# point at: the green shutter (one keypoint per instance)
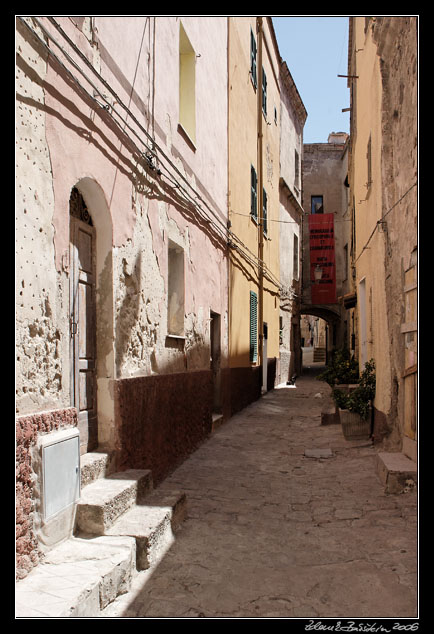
(253, 327)
(253, 58)
(264, 92)
(264, 211)
(254, 193)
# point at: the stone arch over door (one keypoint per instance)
(103, 325)
(331, 317)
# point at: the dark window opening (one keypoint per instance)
(317, 205)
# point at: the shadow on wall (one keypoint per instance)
(162, 184)
(162, 418)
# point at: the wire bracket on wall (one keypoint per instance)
(104, 101)
(150, 158)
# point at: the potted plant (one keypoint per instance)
(342, 373)
(355, 407)
(341, 370)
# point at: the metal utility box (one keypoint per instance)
(60, 454)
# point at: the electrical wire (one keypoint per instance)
(110, 109)
(221, 228)
(379, 222)
(127, 109)
(281, 221)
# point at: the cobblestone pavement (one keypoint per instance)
(273, 533)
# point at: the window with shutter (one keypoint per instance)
(254, 193)
(264, 92)
(264, 211)
(253, 58)
(253, 327)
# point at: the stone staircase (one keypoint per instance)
(122, 525)
(319, 355)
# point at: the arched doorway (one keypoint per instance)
(319, 335)
(91, 315)
(314, 340)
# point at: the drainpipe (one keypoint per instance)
(259, 30)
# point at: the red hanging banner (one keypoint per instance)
(322, 258)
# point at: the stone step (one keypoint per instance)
(78, 578)
(319, 354)
(93, 465)
(396, 471)
(153, 525)
(217, 421)
(106, 499)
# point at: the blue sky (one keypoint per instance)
(316, 51)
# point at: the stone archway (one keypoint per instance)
(332, 318)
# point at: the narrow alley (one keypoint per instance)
(191, 252)
(275, 530)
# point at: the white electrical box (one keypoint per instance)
(60, 454)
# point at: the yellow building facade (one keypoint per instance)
(254, 118)
(382, 77)
(366, 181)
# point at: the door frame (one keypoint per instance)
(215, 360)
(87, 418)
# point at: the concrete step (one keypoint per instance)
(153, 525)
(78, 578)
(396, 471)
(106, 499)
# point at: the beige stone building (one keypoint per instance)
(327, 238)
(293, 116)
(253, 167)
(382, 77)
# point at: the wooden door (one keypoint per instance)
(216, 361)
(83, 331)
(409, 328)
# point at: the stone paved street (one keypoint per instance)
(271, 532)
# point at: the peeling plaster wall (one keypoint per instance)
(141, 229)
(399, 129)
(65, 140)
(140, 263)
(40, 291)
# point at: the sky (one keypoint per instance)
(315, 49)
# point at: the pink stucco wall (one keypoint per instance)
(85, 143)
(135, 211)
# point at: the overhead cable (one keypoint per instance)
(150, 153)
